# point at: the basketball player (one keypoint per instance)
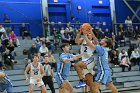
(103, 73)
(36, 74)
(5, 83)
(88, 61)
(64, 69)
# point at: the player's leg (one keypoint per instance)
(59, 81)
(89, 78)
(96, 86)
(31, 88)
(42, 86)
(9, 88)
(43, 89)
(2, 88)
(112, 87)
(61, 90)
(78, 67)
(68, 86)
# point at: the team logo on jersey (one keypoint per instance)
(36, 71)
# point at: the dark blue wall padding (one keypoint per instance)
(100, 12)
(23, 12)
(122, 11)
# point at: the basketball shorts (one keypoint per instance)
(59, 79)
(7, 87)
(90, 64)
(34, 82)
(103, 77)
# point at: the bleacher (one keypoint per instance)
(123, 80)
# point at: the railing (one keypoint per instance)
(125, 27)
(15, 27)
(75, 26)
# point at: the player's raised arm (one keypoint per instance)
(78, 40)
(94, 37)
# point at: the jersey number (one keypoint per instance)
(85, 50)
(35, 72)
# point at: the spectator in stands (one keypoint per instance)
(2, 49)
(8, 59)
(114, 41)
(43, 49)
(24, 31)
(6, 19)
(49, 44)
(46, 22)
(56, 34)
(70, 30)
(37, 42)
(114, 58)
(135, 56)
(128, 21)
(62, 30)
(122, 53)
(14, 39)
(7, 26)
(5, 39)
(121, 28)
(121, 37)
(2, 30)
(139, 48)
(131, 48)
(125, 62)
(107, 33)
(40, 58)
(51, 59)
(11, 48)
(32, 50)
(100, 34)
(137, 32)
(65, 37)
(139, 53)
(49, 74)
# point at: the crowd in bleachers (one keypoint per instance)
(7, 48)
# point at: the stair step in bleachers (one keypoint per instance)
(129, 78)
(130, 73)
(132, 84)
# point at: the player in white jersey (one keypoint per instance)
(88, 61)
(36, 73)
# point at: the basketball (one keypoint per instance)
(86, 27)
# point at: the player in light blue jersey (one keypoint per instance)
(5, 83)
(63, 70)
(103, 73)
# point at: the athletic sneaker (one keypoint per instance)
(81, 84)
